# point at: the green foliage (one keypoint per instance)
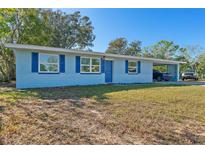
(183, 55)
(161, 68)
(7, 67)
(117, 46)
(34, 28)
(201, 65)
(134, 48)
(147, 52)
(71, 30)
(41, 27)
(121, 46)
(162, 50)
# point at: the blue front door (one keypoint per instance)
(108, 71)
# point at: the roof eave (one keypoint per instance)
(44, 48)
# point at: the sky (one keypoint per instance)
(183, 26)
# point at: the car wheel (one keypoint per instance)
(159, 78)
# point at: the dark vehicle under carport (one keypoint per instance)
(170, 72)
(159, 76)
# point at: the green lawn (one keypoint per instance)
(105, 114)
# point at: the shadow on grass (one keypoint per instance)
(75, 94)
(97, 92)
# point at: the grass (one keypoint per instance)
(104, 114)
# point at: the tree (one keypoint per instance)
(134, 48)
(121, 46)
(194, 52)
(117, 46)
(71, 31)
(8, 29)
(34, 27)
(24, 26)
(161, 50)
(201, 65)
(164, 50)
(183, 55)
(41, 27)
(190, 55)
(147, 52)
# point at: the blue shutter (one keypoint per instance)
(77, 64)
(34, 67)
(126, 66)
(62, 63)
(102, 65)
(139, 66)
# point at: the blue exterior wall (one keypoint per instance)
(119, 75)
(25, 78)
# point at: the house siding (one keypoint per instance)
(25, 78)
(120, 76)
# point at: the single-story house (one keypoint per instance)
(40, 66)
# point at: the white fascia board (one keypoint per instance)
(89, 53)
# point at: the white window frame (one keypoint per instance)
(90, 65)
(133, 67)
(39, 63)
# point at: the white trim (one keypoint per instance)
(39, 70)
(108, 59)
(90, 65)
(104, 55)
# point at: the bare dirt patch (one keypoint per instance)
(109, 114)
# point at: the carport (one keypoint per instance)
(171, 67)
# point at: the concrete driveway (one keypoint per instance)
(200, 83)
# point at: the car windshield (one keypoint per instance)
(189, 73)
(156, 71)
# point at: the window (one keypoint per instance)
(48, 63)
(132, 67)
(90, 65)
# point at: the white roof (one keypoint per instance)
(105, 55)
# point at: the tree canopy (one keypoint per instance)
(117, 46)
(46, 27)
(164, 49)
(41, 27)
(201, 65)
(121, 46)
(134, 48)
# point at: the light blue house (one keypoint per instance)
(40, 66)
